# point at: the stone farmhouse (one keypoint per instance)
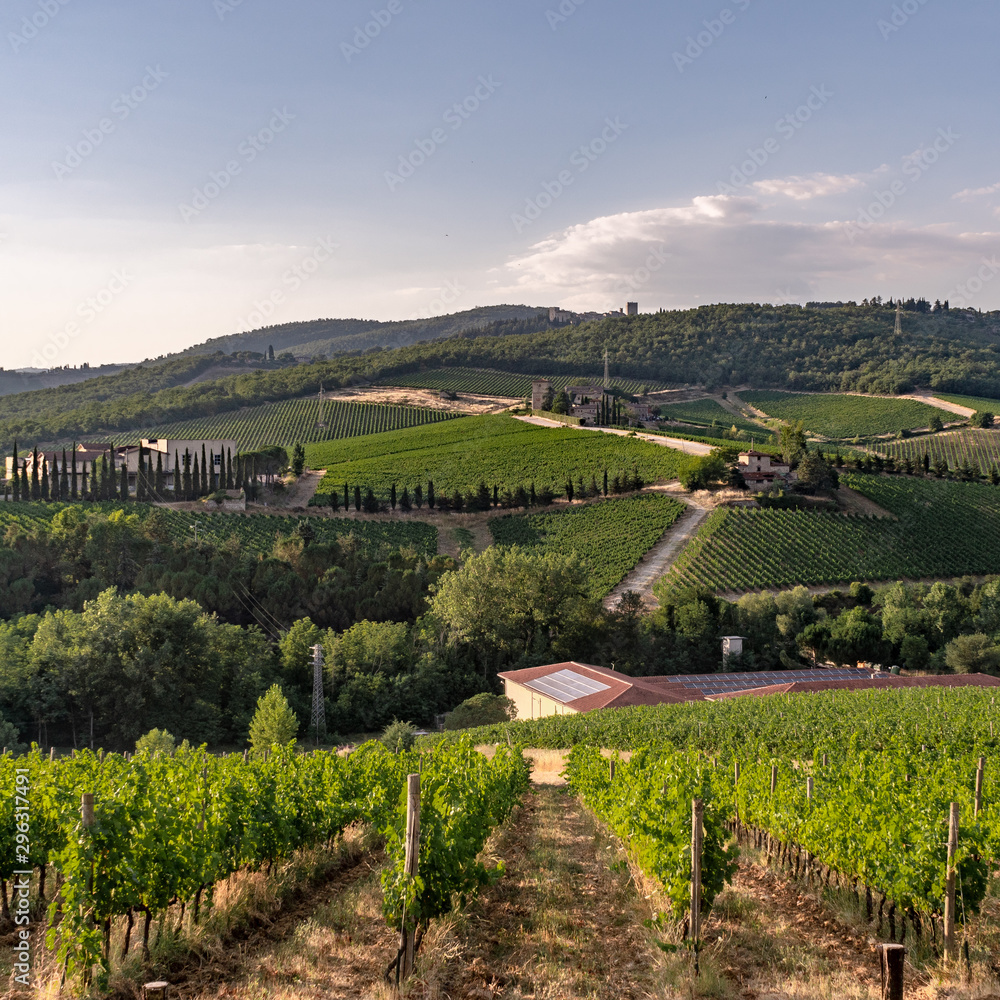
(760, 471)
(586, 401)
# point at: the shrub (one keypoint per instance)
(399, 736)
(156, 742)
(481, 710)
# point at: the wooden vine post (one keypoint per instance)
(410, 866)
(979, 784)
(697, 814)
(950, 952)
(774, 777)
(891, 957)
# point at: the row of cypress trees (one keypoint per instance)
(106, 481)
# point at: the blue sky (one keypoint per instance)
(176, 171)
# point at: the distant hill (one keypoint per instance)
(838, 349)
(27, 381)
(328, 337)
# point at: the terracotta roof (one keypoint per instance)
(862, 683)
(622, 690)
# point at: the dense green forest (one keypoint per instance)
(111, 626)
(780, 347)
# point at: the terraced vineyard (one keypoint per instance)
(610, 536)
(294, 420)
(256, 533)
(968, 446)
(939, 529)
(496, 450)
(489, 382)
(839, 416)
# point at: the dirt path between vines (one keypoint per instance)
(327, 942)
(661, 556)
(565, 920)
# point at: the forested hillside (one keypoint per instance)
(339, 336)
(781, 347)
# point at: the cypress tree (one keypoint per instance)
(532, 496)
(159, 484)
(204, 471)
(36, 488)
(418, 495)
(357, 498)
(605, 482)
(64, 479)
(196, 480)
(140, 477)
(392, 496)
(430, 494)
(83, 490)
(229, 469)
(123, 484)
(404, 500)
(45, 479)
(496, 496)
(177, 484)
(25, 488)
(15, 474)
(186, 493)
(569, 490)
(54, 481)
(73, 483)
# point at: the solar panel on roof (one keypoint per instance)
(567, 685)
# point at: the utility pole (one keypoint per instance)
(318, 706)
(899, 317)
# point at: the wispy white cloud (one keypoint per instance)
(968, 193)
(804, 188)
(736, 249)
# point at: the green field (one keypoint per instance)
(708, 413)
(839, 416)
(610, 536)
(496, 450)
(968, 446)
(939, 529)
(294, 420)
(256, 533)
(489, 382)
(981, 403)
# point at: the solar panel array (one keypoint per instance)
(724, 683)
(567, 685)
